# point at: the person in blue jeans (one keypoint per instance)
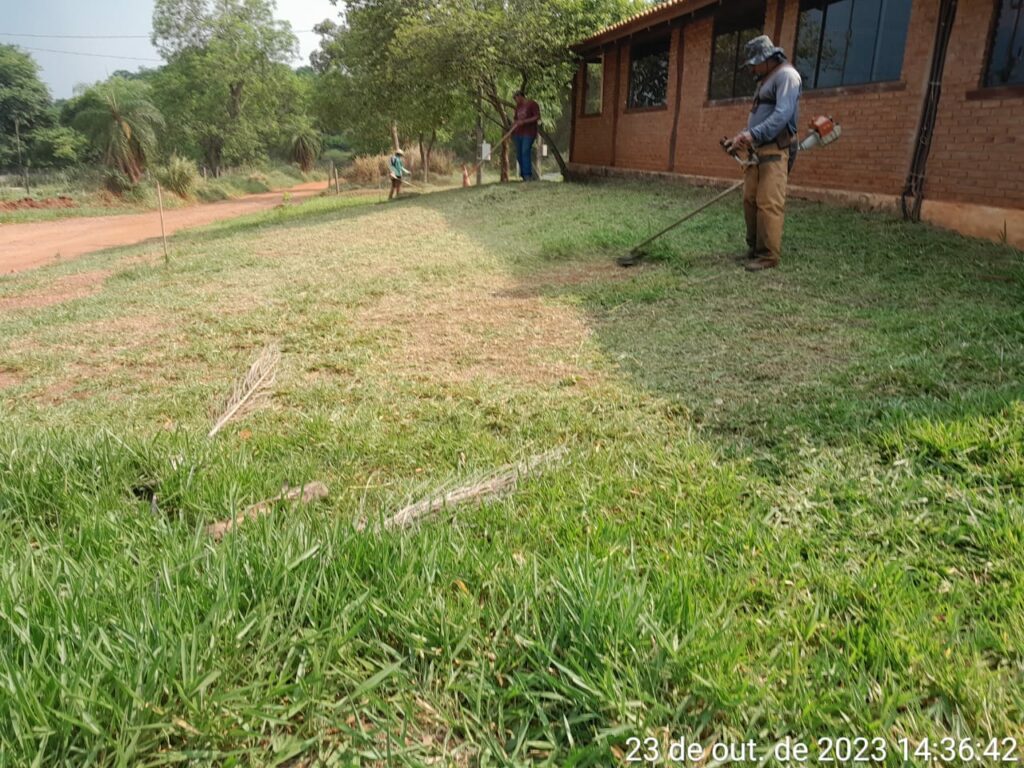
(524, 133)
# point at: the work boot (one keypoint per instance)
(747, 256)
(764, 262)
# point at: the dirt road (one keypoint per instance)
(26, 246)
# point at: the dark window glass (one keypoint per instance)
(733, 29)
(648, 74)
(848, 42)
(1006, 59)
(594, 87)
(892, 38)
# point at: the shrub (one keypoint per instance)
(180, 175)
(117, 182)
(442, 162)
(367, 169)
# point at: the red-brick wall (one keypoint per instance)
(978, 148)
(976, 156)
(644, 135)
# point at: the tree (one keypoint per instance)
(226, 76)
(24, 106)
(500, 46)
(418, 62)
(304, 145)
(121, 123)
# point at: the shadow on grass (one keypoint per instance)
(868, 323)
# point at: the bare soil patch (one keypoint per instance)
(27, 203)
(62, 289)
(9, 378)
(30, 245)
(569, 276)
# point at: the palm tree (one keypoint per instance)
(305, 146)
(121, 122)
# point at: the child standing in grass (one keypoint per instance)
(396, 170)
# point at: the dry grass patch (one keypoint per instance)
(9, 378)
(481, 330)
(66, 288)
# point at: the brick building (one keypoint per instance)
(656, 92)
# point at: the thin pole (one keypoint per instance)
(479, 135)
(163, 232)
(330, 177)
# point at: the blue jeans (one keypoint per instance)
(524, 156)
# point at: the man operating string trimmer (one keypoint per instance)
(771, 134)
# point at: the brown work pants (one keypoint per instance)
(764, 201)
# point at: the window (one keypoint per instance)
(648, 74)
(733, 30)
(849, 42)
(1006, 59)
(593, 86)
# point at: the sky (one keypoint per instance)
(130, 19)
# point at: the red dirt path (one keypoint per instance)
(26, 246)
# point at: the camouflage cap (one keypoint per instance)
(760, 49)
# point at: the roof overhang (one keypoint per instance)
(665, 13)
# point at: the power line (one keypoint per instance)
(94, 55)
(78, 37)
(106, 37)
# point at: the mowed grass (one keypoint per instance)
(791, 503)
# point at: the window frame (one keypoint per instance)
(738, 54)
(984, 87)
(649, 41)
(810, 84)
(599, 59)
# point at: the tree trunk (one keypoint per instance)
(235, 105)
(506, 124)
(504, 161)
(423, 157)
(24, 170)
(554, 151)
(394, 136)
(430, 149)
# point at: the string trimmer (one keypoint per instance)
(823, 131)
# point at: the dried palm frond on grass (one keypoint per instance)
(250, 390)
(498, 483)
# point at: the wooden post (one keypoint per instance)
(163, 232)
(330, 177)
(24, 170)
(337, 181)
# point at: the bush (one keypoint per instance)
(367, 169)
(180, 176)
(116, 182)
(442, 162)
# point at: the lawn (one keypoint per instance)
(790, 504)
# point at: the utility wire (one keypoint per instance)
(78, 37)
(94, 55)
(105, 37)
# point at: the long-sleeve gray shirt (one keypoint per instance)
(779, 95)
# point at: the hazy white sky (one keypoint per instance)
(63, 71)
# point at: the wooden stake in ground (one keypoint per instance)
(500, 482)
(251, 389)
(307, 494)
(163, 232)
